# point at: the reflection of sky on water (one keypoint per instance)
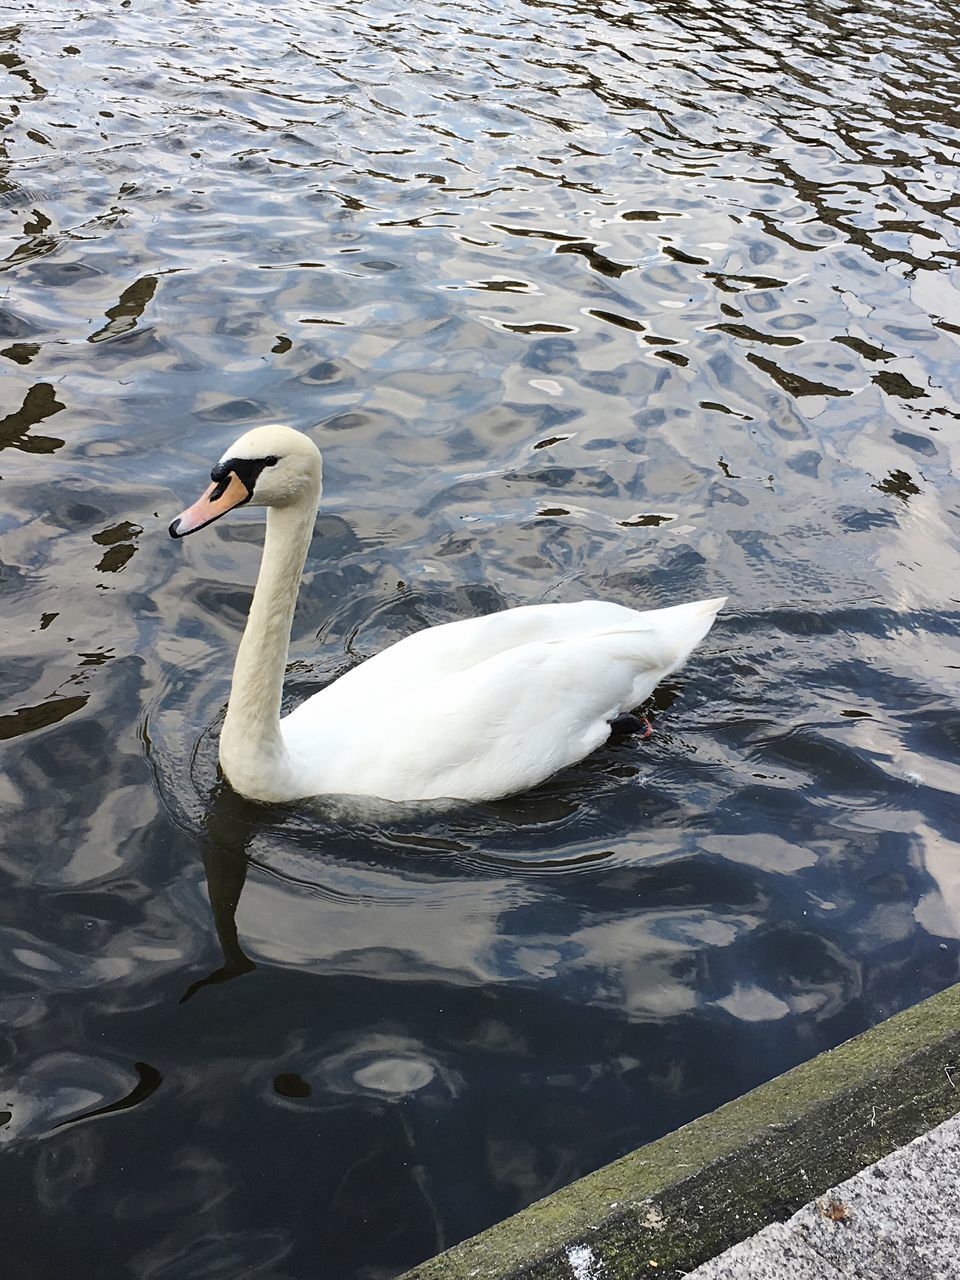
(633, 301)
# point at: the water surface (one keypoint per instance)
(643, 301)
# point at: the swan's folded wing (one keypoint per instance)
(433, 717)
(460, 645)
(501, 726)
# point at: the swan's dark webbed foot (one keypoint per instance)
(630, 723)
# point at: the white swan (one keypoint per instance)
(471, 710)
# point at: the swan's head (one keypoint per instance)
(271, 466)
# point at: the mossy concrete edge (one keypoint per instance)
(665, 1208)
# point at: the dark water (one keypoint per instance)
(642, 301)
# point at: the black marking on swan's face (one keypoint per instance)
(247, 471)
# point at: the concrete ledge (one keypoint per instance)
(898, 1218)
(671, 1205)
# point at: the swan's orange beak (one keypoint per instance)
(222, 496)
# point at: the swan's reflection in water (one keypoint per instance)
(229, 828)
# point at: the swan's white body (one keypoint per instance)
(471, 710)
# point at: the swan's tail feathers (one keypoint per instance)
(708, 609)
(682, 627)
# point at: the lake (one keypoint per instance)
(635, 300)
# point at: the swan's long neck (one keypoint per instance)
(251, 748)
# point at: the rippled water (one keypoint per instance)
(636, 300)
